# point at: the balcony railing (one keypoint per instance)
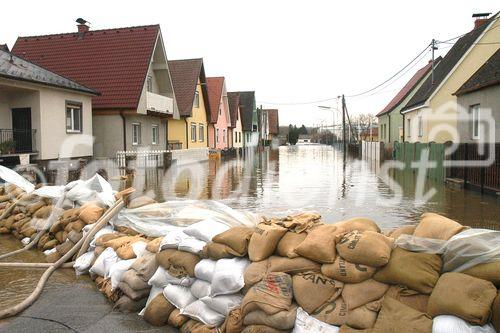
(159, 103)
(17, 141)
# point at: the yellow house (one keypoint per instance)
(432, 114)
(189, 82)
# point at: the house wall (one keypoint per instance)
(489, 101)
(223, 121)
(177, 131)
(211, 135)
(237, 132)
(199, 116)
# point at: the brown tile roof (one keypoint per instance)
(273, 121)
(486, 76)
(234, 104)
(247, 106)
(408, 88)
(185, 74)
(112, 61)
(214, 85)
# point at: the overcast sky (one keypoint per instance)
(287, 51)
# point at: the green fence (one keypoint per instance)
(412, 152)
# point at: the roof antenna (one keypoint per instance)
(81, 21)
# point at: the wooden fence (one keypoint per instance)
(372, 150)
(411, 152)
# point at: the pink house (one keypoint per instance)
(219, 120)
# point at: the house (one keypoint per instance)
(249, 120)
(390, 119)
(235, 131)
(128, 66)
(432, 113)
(191, 93)
(42, 114)
(479, 103)
(219, 119)
(263, 126)
(370, 134)
(273, 121)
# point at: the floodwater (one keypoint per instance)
(279, 182)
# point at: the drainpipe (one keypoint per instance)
(404, 126)
(187, 136)
(124, 122)
(389, 136)
(166, 134)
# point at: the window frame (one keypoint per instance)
(155, 138)
(139, 136)
(196, 101)
(217, 136)
(420, 126)
(408, 128)
(201, 132)
(224, 135)
(73, 105)
(193, 132)
(475, 131)
(149, 83)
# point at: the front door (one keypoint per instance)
(21, 130)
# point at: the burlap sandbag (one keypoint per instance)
(233, 322)
(411, 298)
(154, 245)
(311, 290)
(463, 296)
(28, 231)
(348, 329)
(495, 309)
(216, 251)
(236, 238)
(101, 240)
(264, 241)
(404, 230)
(32, 208)
(135, 282)
(120, 241)
(50, 244)
(283, 320)
(140, 201)
(182, 263)
(438, 227)
(271, 295)
(255, 272)
(145, 266)
(77, 226)
(158, 311)
(91, 213)
(126, 305)
(133, 293)
(292, 266)
(358, 223)
(358, 294)
(176, 319)
(363, 317)
(43, 212)
(417, 271)
(4, 230)
(9, 221)
(489, 271)
(193, 326)
(126, 252)
(262, 329)
(345, 271)
(43, 240)
(65, 247)
(333, 313)
(98, 250)
(368, 248)
(163, 257)
(319, 244)
(288, 244)
(71, 213)
(395, 317)
(53, 257)
(74, 236)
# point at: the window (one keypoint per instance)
(408, 127)
(73, 117)
(220, 111)
(475, 121)
(217, 137)
(196, 103)
(201, 137)
(154, 135)
(149, 83)
(136, 134)
(193, 132)
(224, 136)
(420, 126)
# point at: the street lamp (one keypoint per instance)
(333, 109)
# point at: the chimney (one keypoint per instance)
(83, 28)
(481, 18)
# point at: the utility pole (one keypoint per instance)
(343, 126)
(433, 48)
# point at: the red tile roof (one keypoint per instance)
(401, 95)
(234, 104)
(273, 121)
(185, 74)
(113, 61)
(214, 85)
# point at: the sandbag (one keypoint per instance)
(223, 304)
(206, 230)
(178, 295)
(311, 290)
(135, 282)
(292, 266)
(489, 271)
(437, 227)
(363, 317)
(43, 212)
(161, 278)
(368, 248)
(182, 263)
(158, 311)
(264, 241)
(358, 294)
(395, 317)
(192, 245)
(172, 239)
(163, 257)
(194, 326)
(127, 305)
(116, 243)
(102, 239)
(228, 277)
(126, 252)
(117, 271)
(205, 269)
(452, 324)
(347, 272)
(495, 309)
(404, 230)
(283, 320)
(176, 319)
(262, 329)
(145, 266)
(104, 262)
(306, 324)
(255, 272)
(271, 295)
(200, 311)
(216, 251)
(360, 224)
(154, 245)
(200, 288)
(236, 238)
(319, 244)
(74, 236)
(90, 213)
(417, 271)
(134, 294)
(234, 322)
(463, 296)
(333, 313)
(347, 329)
(140, 201)
(53, 257)
(288, 243)
(411, 298)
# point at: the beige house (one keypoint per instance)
(432, 113)
(42, 114)
(236, 130)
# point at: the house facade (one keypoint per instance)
(190, 86)
(42, 114)
(235, 131)
(263, 121)
(129, 67)
(274, 123)
(431, 115)
(249, 119)
(219, 120)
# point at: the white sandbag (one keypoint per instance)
(50, 192)
(200, 289)
(172, 239)
(201, 312)
(116, 271)
(47, 252)
(82, 264)
(139, 248)
(223, 304)
(206, 229)
(179, 296)
(452, 324)
(106, 230)
(307, 324)
(161, 278)
(192, 245)
(155, 291)
(95, 188)
(228, 276)
(205, 269)
(104, 262)
(26, 240)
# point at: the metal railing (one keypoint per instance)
(16, 141)
(141, 159)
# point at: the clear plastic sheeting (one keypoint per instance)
(95, 188)
(463, 251)
(159, 219)
(452, 324)
(12, 177)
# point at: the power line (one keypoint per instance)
(300, 103)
